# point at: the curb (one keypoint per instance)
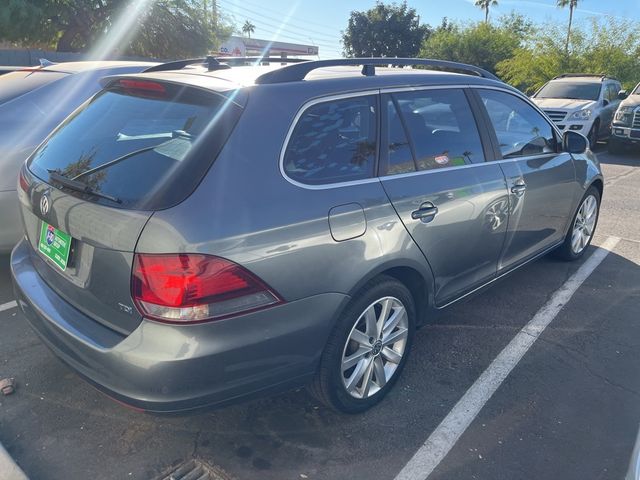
(9, 470)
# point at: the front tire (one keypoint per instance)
(583, 226)
(368, 347)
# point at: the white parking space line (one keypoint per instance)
(445, 436)
(8, 306)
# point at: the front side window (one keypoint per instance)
(333, 141)
(441, 128)
(520, 129)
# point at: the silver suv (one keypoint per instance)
(581, 103)
(198, 233)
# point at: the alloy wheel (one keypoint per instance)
(375, 347)
(584, 224)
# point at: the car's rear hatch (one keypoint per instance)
(139, 146)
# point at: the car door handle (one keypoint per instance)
(425, 213)
(518, 189)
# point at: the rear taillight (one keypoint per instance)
(185, 288)
(23, 182)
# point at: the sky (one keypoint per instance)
(319, 22)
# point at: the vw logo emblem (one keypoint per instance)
(45, 205)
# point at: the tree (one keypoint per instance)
(248, 28)
(480, 44)
(486, 5)
(610, 45)
(159, 28)
(392, 30)
(572, 4)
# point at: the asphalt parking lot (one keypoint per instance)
(570, 408)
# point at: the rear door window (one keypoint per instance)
(333, 141)
(145, 145)
(441, 127)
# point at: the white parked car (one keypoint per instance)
(581, 102)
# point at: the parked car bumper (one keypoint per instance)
(167, 368)
(626, 134)
(10, 226)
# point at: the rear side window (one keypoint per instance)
(333, 141)
(441, 127)
(145, 145)
(520, 129)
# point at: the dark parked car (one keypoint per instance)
(33, 101)
(198, 235)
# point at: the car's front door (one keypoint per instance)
(540, 177)
(453, 203)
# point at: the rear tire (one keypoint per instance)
(593, 135)
(362, 361)
(583, 227)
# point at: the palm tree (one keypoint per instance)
(572, 4)
(486, 5)
(248, 28)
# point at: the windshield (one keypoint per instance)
(636, 91)
(138, 145)
(574, 91)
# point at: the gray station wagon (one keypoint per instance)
(202, 232)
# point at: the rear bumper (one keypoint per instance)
(10, 225)
(168, 368)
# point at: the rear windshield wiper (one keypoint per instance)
(175, 134)
(79, 186)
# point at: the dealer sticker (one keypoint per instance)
(55, 245)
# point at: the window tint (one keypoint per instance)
(441, 127)
(399, 156)
(333, 142)
(520, 129)
(612, 92)
(146, 149)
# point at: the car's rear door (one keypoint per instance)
(452, 202)
(540, 177)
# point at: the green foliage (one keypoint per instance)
(161, 28)
(605, 46)
(478, 44)
(385, 30)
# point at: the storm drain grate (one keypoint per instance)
(194, 470)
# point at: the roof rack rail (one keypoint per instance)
(594, 75)
(298, 71)
(210, 62)
(233, 61)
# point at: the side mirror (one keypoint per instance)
(605, 102)
(623, 94)
(574, 142)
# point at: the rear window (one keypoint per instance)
(333, 142)
(138, 144)
(15, 84)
